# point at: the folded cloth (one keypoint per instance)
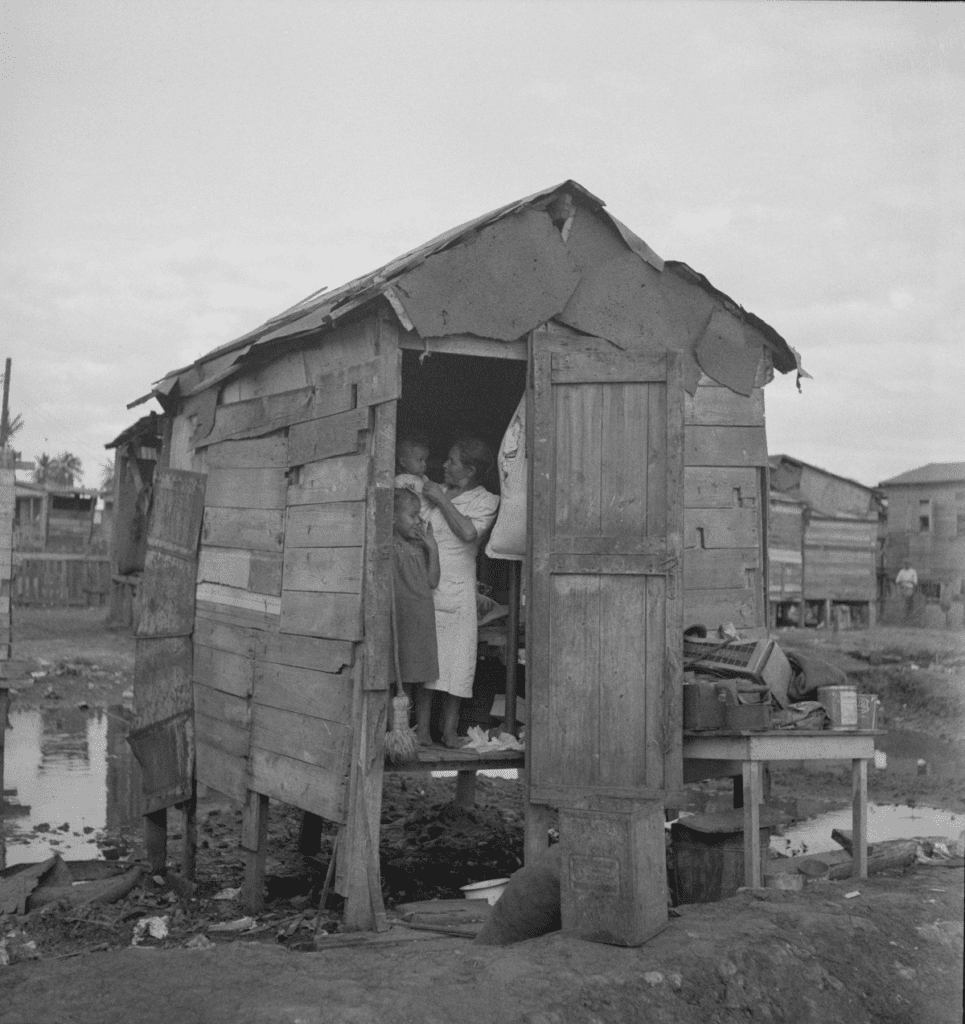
(483, 743)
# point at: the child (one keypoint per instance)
(411, 459)
(415, 558)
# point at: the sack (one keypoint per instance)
(508, 539)
(529, 905)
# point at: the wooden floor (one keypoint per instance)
(439, 759)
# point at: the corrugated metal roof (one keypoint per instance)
(933, 473)
(775, 461)
(322, 308)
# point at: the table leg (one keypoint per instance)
(859, 817)
(751, 774)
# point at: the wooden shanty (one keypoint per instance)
(263, 651)
(836, 523)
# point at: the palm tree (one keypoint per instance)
(42, 468)
(69, 469)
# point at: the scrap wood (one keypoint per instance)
(15, 890)
(895, 853)
(107, 890)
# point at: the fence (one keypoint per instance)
(60, 579)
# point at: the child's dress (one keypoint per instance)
(414, 614)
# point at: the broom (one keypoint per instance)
(400, 742)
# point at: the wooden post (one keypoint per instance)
(189, 811)
(512, 646)
(465, 790)
(5, 411)
(254, 841)
(872, 614)
(4, 704)
(859, 817)
(156, 840)
(752, 824)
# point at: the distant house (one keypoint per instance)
(61, 537)
(835, 522)
(926, 524)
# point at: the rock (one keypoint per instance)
(653, 978)
(726, 969)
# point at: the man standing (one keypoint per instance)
(907, 582)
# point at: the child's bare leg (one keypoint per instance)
(450, 721)
(423, 715)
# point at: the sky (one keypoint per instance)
(172, 174)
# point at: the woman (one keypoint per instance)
(461, 514)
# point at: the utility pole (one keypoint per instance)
(5, 414)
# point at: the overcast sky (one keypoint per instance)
(174, 173)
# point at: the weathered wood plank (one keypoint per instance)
(228, 566)
(340, 479)
(721, 528)
(224, 707)
(266, 573)
(336, 616)
(334, 525)
(246, 488)
(725, 446)
(166, 595)
(598, 366)
(258, 417)
(254, 529)
(231, 616)
(330, 570)
(243, 600)
(713, 608)
(719, 406)
(304, 691)
(325, 438)
(260, 453)
(221, 735)
(722, 568)
(312, 740)
(162, 678)
(223, 670)
(302, 785)
(719, 487)
(223, 637)
(318, 654)
(222, 772)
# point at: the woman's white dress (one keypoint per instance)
(455, 597)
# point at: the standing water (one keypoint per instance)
(72, 778)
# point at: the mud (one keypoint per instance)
(892, 953)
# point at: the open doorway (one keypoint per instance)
(444, 396)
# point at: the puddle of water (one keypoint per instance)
(71, 767)
(493, 773)
(884, 822)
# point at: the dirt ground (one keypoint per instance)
(891, 953)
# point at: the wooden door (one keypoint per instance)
(604, 625)
(163, 738)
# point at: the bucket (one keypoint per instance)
(490, 891)
(867, 711)
(841, 704)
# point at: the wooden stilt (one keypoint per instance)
(254, 841)
(859, 817)
(465, 790)
(752, 824)
(189, 854)
(156, 840)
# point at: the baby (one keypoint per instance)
(411, 459)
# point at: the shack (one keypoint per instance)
(840, 529)
(263, 651)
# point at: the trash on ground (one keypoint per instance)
(150, 927)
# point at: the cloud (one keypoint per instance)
(699, 222)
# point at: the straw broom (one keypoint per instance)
(400, 742)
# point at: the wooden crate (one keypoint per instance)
(613, 875)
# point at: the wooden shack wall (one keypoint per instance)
(785, 547)
(840, 559)
(278, 632)
(725, 469)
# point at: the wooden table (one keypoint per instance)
(709, 755)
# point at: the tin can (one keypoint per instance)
(867, 711)
(841, 704)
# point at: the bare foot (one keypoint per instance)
(454, 742)
(424, 740)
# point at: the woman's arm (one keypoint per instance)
(432, 556)
(462, 526)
